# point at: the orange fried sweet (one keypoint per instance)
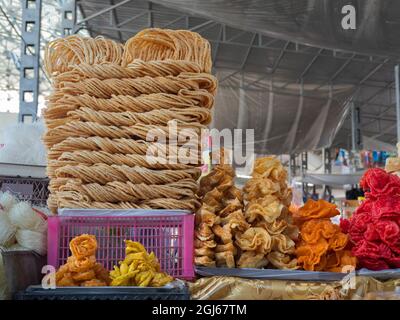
(82, 246)
(315, 209)
(81, 268)
(322, 243)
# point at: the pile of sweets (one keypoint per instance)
(374, 228)
(322, 244)
(270, 240)
(219, 218)
(81, 268)
(112, 111)
(139, 268)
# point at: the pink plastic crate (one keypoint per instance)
(169, 236)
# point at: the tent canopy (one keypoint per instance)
(287, 69)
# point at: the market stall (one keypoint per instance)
(138, 200)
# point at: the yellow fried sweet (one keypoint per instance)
(161, 279)
(133, 247)
(139, 268)
(124, 280)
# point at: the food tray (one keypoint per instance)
(176, 290)
(294, 275)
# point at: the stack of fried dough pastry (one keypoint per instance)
(81, 268)
(270, 239)
(219, 218)
(121, 118)
(322, 245)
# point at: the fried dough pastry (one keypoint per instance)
(225, 259)
(282, 261)
(83, 246)
(315, 209)
(223, 233)
(322, 244)
(283, 244)
(226, 247)
(81, 268)
(204, 244)
(236, 221)
(267, 208)
(230, 206)
(251, 259)
(206, 215)
(204, 261)
(255, 239)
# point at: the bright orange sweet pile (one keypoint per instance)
(81, 268)
(322, 245)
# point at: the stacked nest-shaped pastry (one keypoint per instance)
(219, 219)
(270, 239)
(124, 122)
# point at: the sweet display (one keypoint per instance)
(112, 111)
(270, 240)
(322, 245)
(374, 228)
(139, 268)
(219, 219)
(81, 268)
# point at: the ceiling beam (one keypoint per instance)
(105, 10)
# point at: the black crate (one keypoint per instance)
(33, 190)
(179, 292)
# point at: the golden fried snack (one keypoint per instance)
(282, 261)
(223, 233)
(204, 251)
(204, 261)
(251, 259)
(204, 244)
(162, 44)
(81, 265)
(225, 259)
(106, 102)
(226, 247)
(267, 208)
(66, 281)
(255, 239)
(230, 206)
(206, 215)
(102, 273)
(94, 283)
(283, 244)
(84, 276)
(276, 227)
(204, 232)
(236, 221)
(83, 246)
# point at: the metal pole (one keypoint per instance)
(353, 126)
(30, 52)
(397, 86)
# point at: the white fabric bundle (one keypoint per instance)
(32, 240)
(22, 216)
(7, 230)
(7, 200)
(23, 144)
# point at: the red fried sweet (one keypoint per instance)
(374, 229)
